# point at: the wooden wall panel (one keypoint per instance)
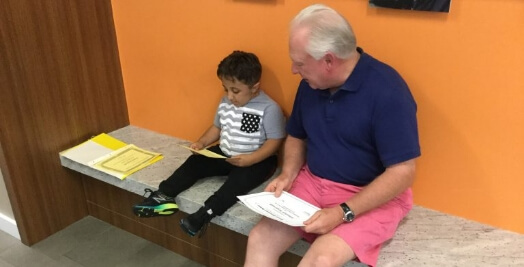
(60, 83)
(218, 247)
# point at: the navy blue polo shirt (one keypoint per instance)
(367, 125)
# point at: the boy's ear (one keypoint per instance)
(255, 87)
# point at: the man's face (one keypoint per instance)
(311, 70)
(237, 92)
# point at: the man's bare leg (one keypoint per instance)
(328, 251)
(267, 241)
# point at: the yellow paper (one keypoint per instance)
(93, 149)
(125, 161)
(205, 152)
(112, 156)
(108, 141)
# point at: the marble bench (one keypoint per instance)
(425, 237)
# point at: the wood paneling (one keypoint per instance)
(60, 83)
(217, 247)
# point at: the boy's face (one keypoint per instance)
(239, 93)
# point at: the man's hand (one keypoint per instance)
(324, 220)
(279, 184)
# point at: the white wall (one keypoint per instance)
(7, 221)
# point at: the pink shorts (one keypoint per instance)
(366, 234)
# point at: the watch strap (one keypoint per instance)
(348, 213)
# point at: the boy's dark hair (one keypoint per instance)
(243, 66)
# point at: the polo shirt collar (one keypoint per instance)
(357, 76)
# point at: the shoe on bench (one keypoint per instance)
(156, 204)
(197, 222)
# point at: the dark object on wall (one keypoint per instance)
(423, 5)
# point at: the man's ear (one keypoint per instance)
(329, 59)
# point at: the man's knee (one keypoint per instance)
(256, 234)
(272, 236)
(328, 250)
(319, 260)
(259, 253)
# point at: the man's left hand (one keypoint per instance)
(324, 220)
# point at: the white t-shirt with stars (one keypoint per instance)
(245, 129)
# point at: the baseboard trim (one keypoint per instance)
(8, 225)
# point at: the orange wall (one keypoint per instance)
(465, 69)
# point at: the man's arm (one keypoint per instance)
(294, 158)
(395, 180)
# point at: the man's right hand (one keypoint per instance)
(279, 184)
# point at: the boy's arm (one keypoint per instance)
(269, 148)
(210, 136)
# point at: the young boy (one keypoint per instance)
(250, 127)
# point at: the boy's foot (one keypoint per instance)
(156, 204)
(197, 221)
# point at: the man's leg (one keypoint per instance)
(267, 241)
(328, 250)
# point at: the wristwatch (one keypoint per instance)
(349, 216)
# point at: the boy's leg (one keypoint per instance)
(162, 202)
(193, 169)
(240, 181)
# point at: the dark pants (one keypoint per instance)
(240, 180)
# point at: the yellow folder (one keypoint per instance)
(112, 156)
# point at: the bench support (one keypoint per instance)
(218, 247)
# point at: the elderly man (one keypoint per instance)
(350, 150)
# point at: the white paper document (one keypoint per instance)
(86, 152)
(287, 208)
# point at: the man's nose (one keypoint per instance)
(294, 69)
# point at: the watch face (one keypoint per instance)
(350, 216)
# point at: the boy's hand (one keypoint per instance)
(197, 146)
(243, 160)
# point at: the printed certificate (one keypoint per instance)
(287, 208)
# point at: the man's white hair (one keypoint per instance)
(328, 31)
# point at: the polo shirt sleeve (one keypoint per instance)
(395, 126)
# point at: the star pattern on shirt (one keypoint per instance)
(250, 123)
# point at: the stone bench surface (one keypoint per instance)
(425, 237)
